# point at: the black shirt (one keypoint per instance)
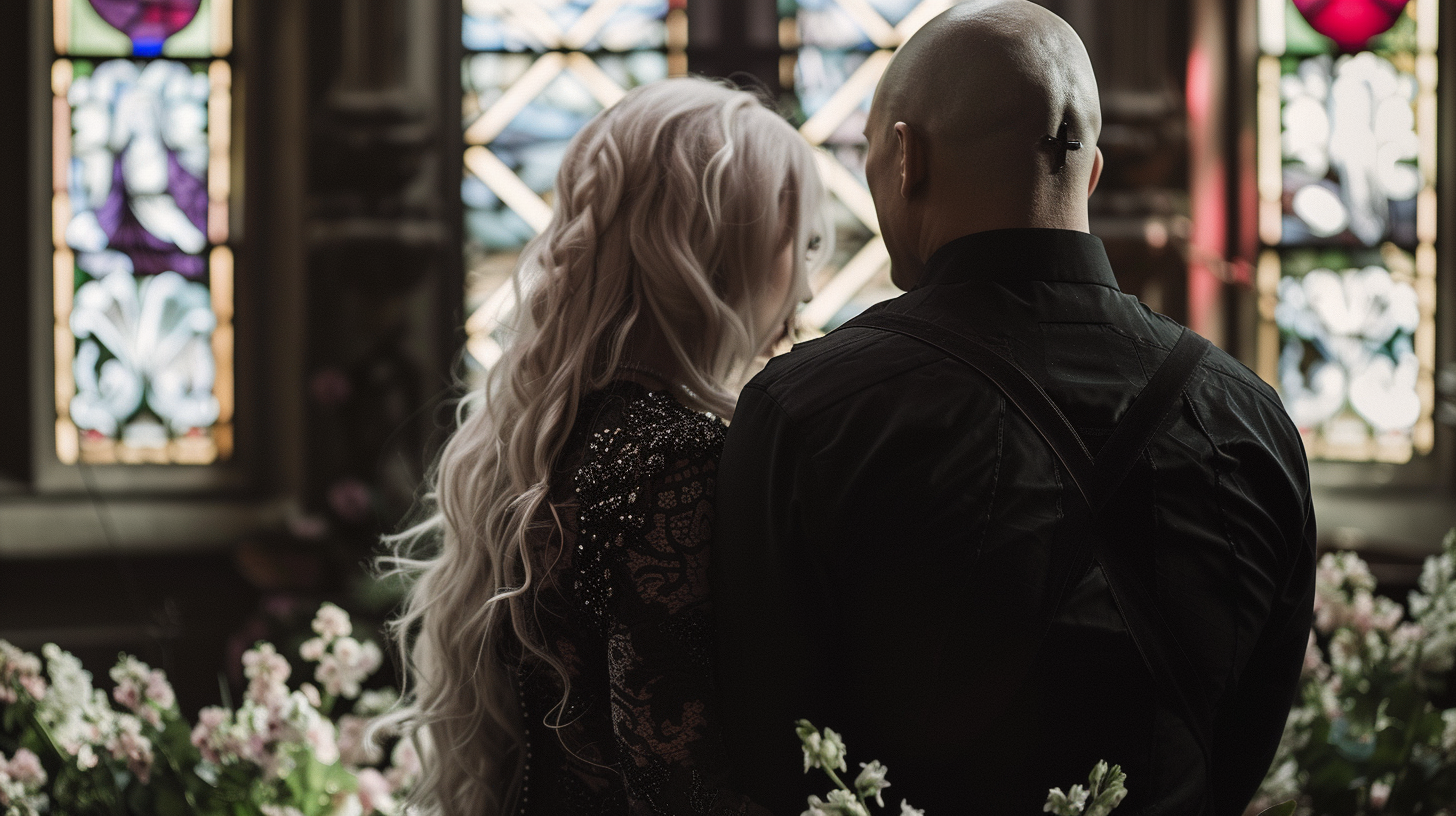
(870, 483)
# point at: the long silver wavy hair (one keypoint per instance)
(671, 209)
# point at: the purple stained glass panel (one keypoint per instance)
(139, 157)
(148, 23)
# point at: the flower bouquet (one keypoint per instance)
(825, 750)
(1366, 734)
(66, 748)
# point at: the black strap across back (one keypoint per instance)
(1080, 538)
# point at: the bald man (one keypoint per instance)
(1012, 522)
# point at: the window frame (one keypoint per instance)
(48, 474)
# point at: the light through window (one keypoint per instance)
(534, 73)
(836, 52)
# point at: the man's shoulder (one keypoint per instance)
(1226, 373)
(849, 361)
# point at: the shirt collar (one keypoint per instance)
(1021, 254)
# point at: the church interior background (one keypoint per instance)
(252, 244)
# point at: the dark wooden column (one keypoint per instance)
(737, 39)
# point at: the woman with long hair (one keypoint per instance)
(556, 636)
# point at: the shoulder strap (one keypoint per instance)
(1018, 387)
(1096, 481)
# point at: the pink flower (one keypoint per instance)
(129, 744)
(350, 499)
(1314, 662)
(159, 691)
(375, 792)
(25, 768)
(330, 387)
(1362, 612)
(406, 765)
(308, 527)
(128, 696)
(354, 748)
(264, 665)
(210, 720)
(311, 693)
(34, 685)
(332, 622)
(19, 671)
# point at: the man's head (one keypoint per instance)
(959, 125)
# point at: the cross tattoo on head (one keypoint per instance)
(1060, 143)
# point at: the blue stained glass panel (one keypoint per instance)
(516, 25)
(825, 23)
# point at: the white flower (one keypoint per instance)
(332, 622)
(373, 703)
(871, 781)
(906, 810)
(1065, 804)
(841, 803)
(1379, 794)
(312, 649)
(824, 750)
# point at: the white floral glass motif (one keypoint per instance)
(143, 274)
(1347, 276)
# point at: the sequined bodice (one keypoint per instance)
(623, 605)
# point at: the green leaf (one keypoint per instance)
(1281, 809)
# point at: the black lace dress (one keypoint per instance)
(622, 601)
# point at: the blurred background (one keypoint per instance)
(252, 245)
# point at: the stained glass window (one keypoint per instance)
(535, 71)
(143, 295)
(1347, 220)
(836, 51)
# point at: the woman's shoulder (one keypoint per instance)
(627, 427)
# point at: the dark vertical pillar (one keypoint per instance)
(737, 39)
(17, 83)
(383, 281)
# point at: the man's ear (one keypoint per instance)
(1096, 172)
(912, 159)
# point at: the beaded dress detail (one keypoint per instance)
(623, 603)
